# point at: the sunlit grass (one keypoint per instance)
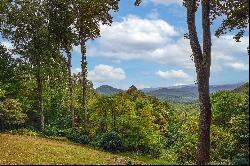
(21, 149)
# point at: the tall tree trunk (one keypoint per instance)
(84, 84)
(202, 60)
(70, 85)
(203, 149)
(203, 153)
(114, 119)
(39, 96)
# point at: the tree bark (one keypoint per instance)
(39, 96)
(70, 85)
(202, 60)
(84, 84)
(203, 149)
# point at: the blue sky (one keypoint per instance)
(145, 47)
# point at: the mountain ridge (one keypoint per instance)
(176, 94)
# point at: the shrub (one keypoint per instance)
(74, 136)
(11, 114)
(111, 141)
(50, 130)
(240, 160)
(222, 144)
(25, 131)
(77, 137)
(84, 139)
(96, 142)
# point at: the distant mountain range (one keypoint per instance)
(176, 94)
(107, 90)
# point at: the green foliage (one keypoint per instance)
(78, 137)
(223, 145)
(186, 141)
(227, 105)
(235, 16)
(230, 112)
(24, 131)
(139, 120)
(11, 114)
(111, 141)
(96, 141)
(240, 160)
(10, 74)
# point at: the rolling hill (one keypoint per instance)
(107, 90)
(176, 94)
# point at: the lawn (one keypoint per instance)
(22, 149)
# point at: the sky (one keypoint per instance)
(145, 47)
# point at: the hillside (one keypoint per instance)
(176, 94)
(20, 149)
(242, 89)
(107, 90)
(187, 94)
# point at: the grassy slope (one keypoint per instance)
(20, 149)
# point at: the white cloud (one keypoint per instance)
(179, 84)
(156, 41)
(166, 2)
(106, 73)
(142, 39)
(238, 66)
(226, 53)
(172, 74)
(141, 86)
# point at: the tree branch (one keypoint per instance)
(191, 6)
(206, 33)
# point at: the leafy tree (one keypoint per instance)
(75, 22)
(10, 74)
(88, 16)
(236, 16)
(60, 16)
(25, 25)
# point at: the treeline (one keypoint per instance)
(43, 34)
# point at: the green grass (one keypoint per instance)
(22, 149)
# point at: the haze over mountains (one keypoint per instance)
(176, 94)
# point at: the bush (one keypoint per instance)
(96, 142)
(74, 137)
(222, 144)
(240, 160)
(25, 131)
(84, 139)
(78, 137)
(111, 141)
(50, 131)
(11, 114)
